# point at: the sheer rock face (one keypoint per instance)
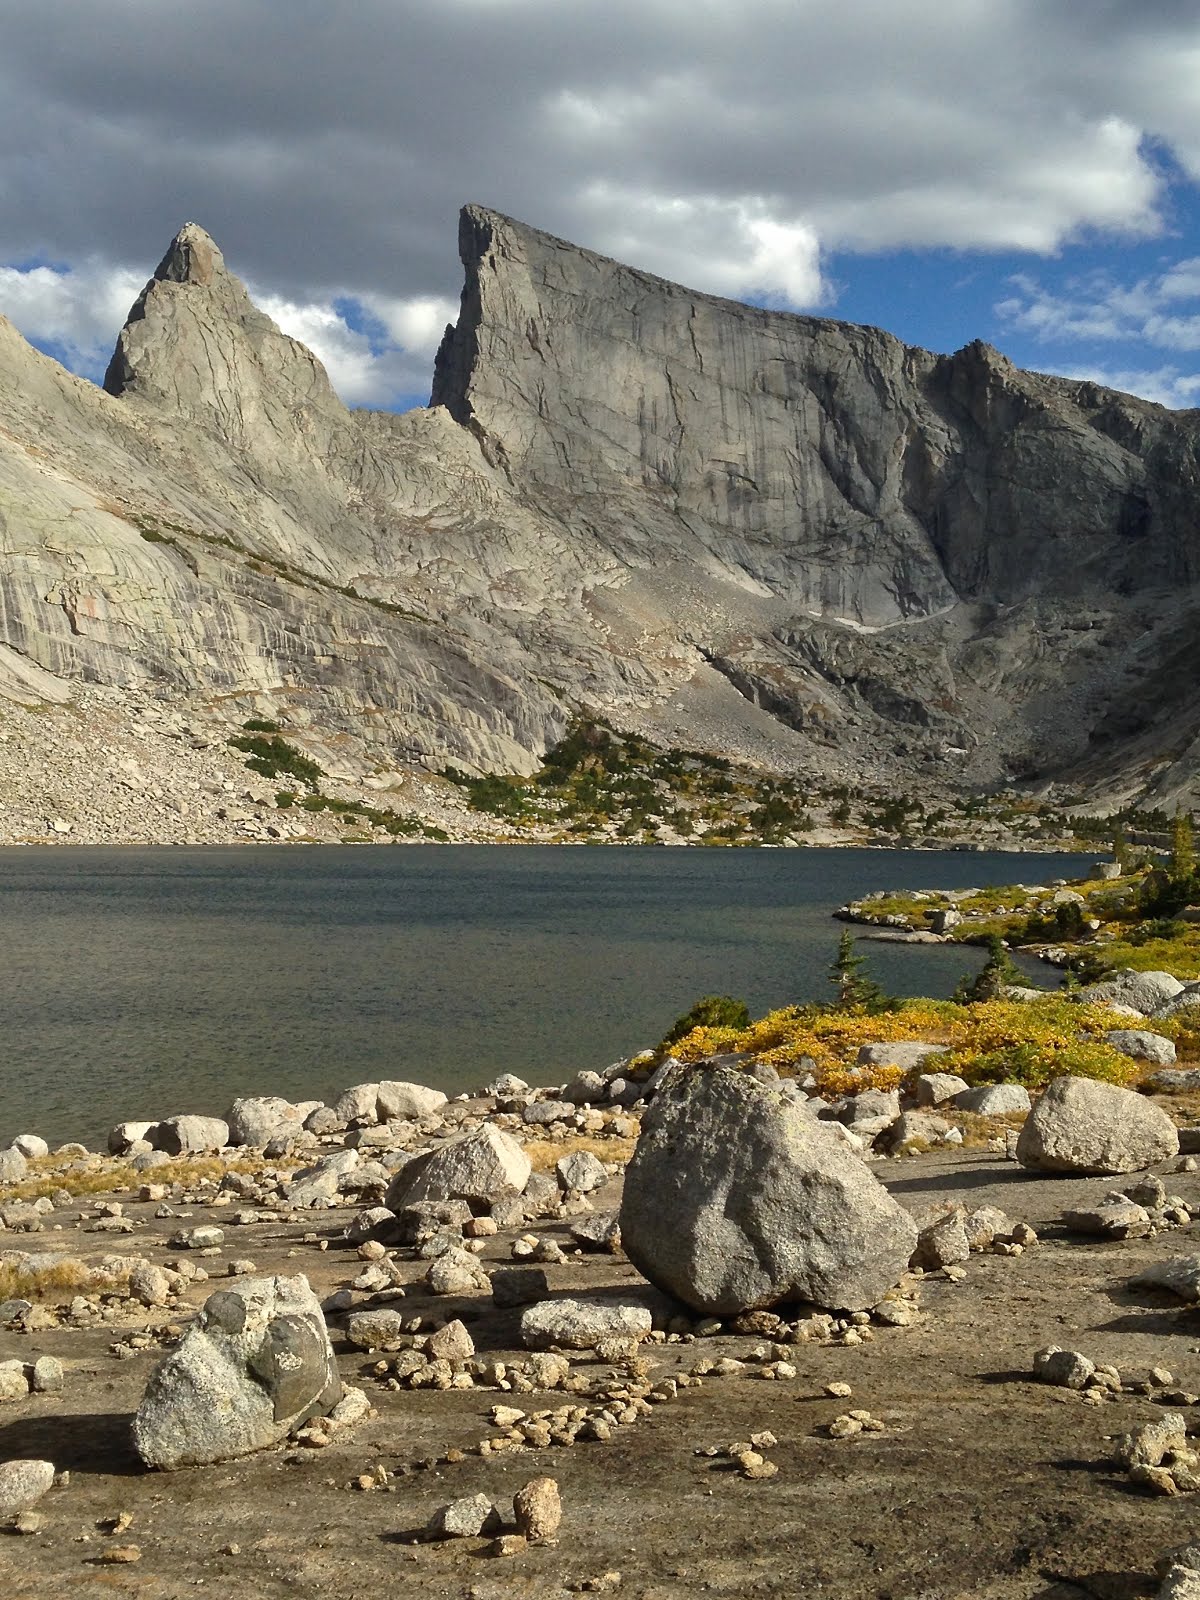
(787, 537)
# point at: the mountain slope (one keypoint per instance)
(786, 537)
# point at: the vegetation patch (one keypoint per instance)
(273, 757)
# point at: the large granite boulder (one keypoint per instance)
(190, 1136)
(398, 1100)
(1143, 991)
(255, 1364)
(259, 1119)
(1142, 1046)
(736, 1199)
(480, 1167)
(1083, 1126)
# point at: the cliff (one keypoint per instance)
(787, 537)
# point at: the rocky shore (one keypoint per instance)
(100, 765)
(663, 1327)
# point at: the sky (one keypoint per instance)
(1022, 171)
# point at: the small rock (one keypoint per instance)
(22, 1484)
(466, 1518)
(538, 1510)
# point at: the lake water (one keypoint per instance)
(141, 983)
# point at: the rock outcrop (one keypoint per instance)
(785, 537)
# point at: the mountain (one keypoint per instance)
(786, 538)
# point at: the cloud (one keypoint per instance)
(1096, 306)
(728, 143)
(76, 312)
(378, 351)
(1166, 385)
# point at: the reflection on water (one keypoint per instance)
(139, 983)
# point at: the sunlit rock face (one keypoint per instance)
(784, 537)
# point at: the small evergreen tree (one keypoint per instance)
(1120, 850)
(854, 987)
(998, 972)
(1183, 847)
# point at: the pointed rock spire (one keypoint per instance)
(192, 257)
(196, 345)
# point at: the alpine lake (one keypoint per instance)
(140, 983)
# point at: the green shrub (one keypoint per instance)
(1035, 1063)
(260, 725)
(710, 1011)
(271, 756)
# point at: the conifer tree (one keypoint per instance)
(1183, 847)
(853, 986)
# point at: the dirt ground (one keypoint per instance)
(985, 1484)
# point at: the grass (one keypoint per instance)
(396, 823)
(544, 1154)
(69, 1276)
(989, 1041)
(272, 756)
(47, 1178)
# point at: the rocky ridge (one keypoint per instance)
(785, 538)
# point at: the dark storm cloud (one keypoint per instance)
(726, 143)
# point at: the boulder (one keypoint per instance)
(519, 1286)
(585, 1089)
(22, 1484)
(466, 1518)
(920, 1126)
(985, 1225)
(736, 1199)
(1180, 1275)
(259, 1119)
(255, 1364)
(126, 1134)
(1190, 996)
(537, 1508)
(541, 1113)
(936, 1088)
(457, 1271)
(1173, 1080)
(480, 1167)
(13, 1166)
(871, 1113)
(942, 1242)
(398, 1100)
(358, 1104)
(600, 1230)
(906, 1053)
(1142, 1046)
(320, 1184)
(576, 1324)
(994, 1099)
(1066, 1369)
(1144, 991)
(1112, 1219)
(30, 1146)
(1079, 1125)
(190, 1136)
(376, 1328)
(581, 1172)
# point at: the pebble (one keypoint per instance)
(119, 1555)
